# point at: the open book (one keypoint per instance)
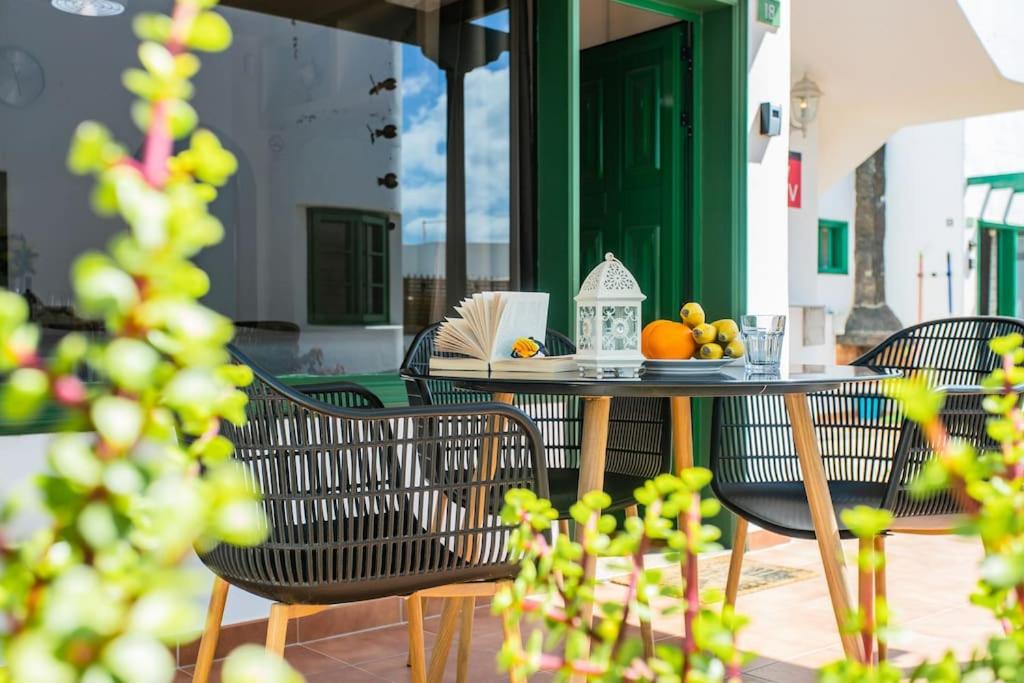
(488, 324)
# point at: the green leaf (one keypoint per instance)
(13, 311)
(210, 33)
(101, 286)
(141, 84)
(866, 522)
(24, 394)
(182, 118)
(89, 148)
(71, 457)
(1006, 344)
(157, 59)
(253, 664)
(130, 363)
(139, 658)
(152, 27)
(118, 420)
(97, 524)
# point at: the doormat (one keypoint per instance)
(755, 576)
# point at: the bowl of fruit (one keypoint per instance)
(691, 344)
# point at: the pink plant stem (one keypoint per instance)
(692, 531)
(159, 142)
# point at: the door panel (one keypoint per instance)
(632, 93)
(641, 124)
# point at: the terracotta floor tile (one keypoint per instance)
(792, 626)
(368, 646)
(346, 674)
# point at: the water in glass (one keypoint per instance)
(762, 335)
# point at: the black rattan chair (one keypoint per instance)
(364, 502)
(639, 429)
(871, 452)
(639, 432)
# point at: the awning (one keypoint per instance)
(884, 65)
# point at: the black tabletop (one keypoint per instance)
(733, 380)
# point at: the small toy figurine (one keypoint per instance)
(527, 347)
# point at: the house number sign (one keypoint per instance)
(769, 12)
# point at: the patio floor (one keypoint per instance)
(791, 627)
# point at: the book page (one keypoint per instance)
(522, 314)
(456, 336)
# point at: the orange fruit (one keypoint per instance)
(645, 335)
(671, 341)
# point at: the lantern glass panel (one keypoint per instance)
(587, 328)
(620, 328)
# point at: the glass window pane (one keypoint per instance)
(995, 207)
(974, 200)
(1015, 214)
(488, 145)
(349, 114)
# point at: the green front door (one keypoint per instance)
(634, 125)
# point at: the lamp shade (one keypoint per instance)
(608, 322)
(89, 8)
(804, 100)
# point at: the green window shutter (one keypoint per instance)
(348, 268)
(833, 247)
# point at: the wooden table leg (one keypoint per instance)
(682, 459)
(823, 516)
(592, 460)
(682, 433)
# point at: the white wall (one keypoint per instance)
(807, 286)
(767, 167)
(994, 144)
(925, 217)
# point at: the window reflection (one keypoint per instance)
(374, 179)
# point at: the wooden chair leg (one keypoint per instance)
(211, 633)
(417, 648)
(445, 635)
(563, 527)
(465, 640)
(881, 595)
(866, 598)
(513, 636)
(424, 607)
(277, 628)
(739, 543)
(646, 631)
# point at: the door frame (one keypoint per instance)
(1007, 285)
(716, 179)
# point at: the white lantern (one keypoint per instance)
(608, 322)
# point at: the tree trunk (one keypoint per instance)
(870, 320)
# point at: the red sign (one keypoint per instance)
(794, 180)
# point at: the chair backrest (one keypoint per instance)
(639, 428)
(954, 352)
(559, 418)
(363, 503)
(862, 433)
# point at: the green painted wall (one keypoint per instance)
(558, 208)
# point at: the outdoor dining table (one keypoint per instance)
(792, 382)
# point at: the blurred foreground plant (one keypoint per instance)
(95, 591)
(990, 487)
(551, 589)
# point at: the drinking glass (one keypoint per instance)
(762, 335)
